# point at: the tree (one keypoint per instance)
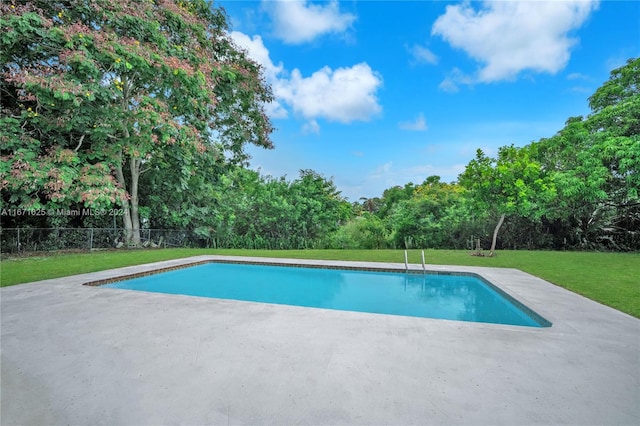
(392, 196)
(42, 157)
(421, 221)
(579, 176)
(615, 125)
(513, 183)
(366, 231)
(595, 163)
(174, 197)
(319, 207)
(370, 205)
(95, 93)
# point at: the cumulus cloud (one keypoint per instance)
(298, 22)
(345, 94)
(419, 124)
(421, 54)
(507, 37)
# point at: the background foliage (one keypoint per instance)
(146, 106)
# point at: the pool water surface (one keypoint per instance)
(453, 297)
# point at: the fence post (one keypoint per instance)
(91, 239)
(18, 240)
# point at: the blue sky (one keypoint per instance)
(381, 93)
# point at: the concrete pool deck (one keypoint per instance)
(80, 355)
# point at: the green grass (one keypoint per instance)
(609, 278)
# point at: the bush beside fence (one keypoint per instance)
(20, 240)
(24, 240)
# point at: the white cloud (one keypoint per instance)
(455, 78)
(276, 110)
(298, 22)
(419, 124)
(344, 94)
(449, 85)
(507, 37)
(311, 126)
(423, 55)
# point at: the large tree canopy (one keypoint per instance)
(513, 184)
(97, 92)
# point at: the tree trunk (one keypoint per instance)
(126, 207)
(495, 236)
(130, 218)
(134, 165)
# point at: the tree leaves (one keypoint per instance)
(134, 79)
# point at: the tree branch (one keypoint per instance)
(79, 143)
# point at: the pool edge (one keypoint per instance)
(341, 265)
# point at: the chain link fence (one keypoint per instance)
(21, 240)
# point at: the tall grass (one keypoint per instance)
(609, 278)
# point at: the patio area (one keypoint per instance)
(74, 354)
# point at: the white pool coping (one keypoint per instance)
(76, 354)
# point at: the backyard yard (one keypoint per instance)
(608, 278)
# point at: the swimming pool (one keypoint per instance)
(443, 296)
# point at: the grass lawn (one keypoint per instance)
(609, 278)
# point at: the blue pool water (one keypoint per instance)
(455, 297)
